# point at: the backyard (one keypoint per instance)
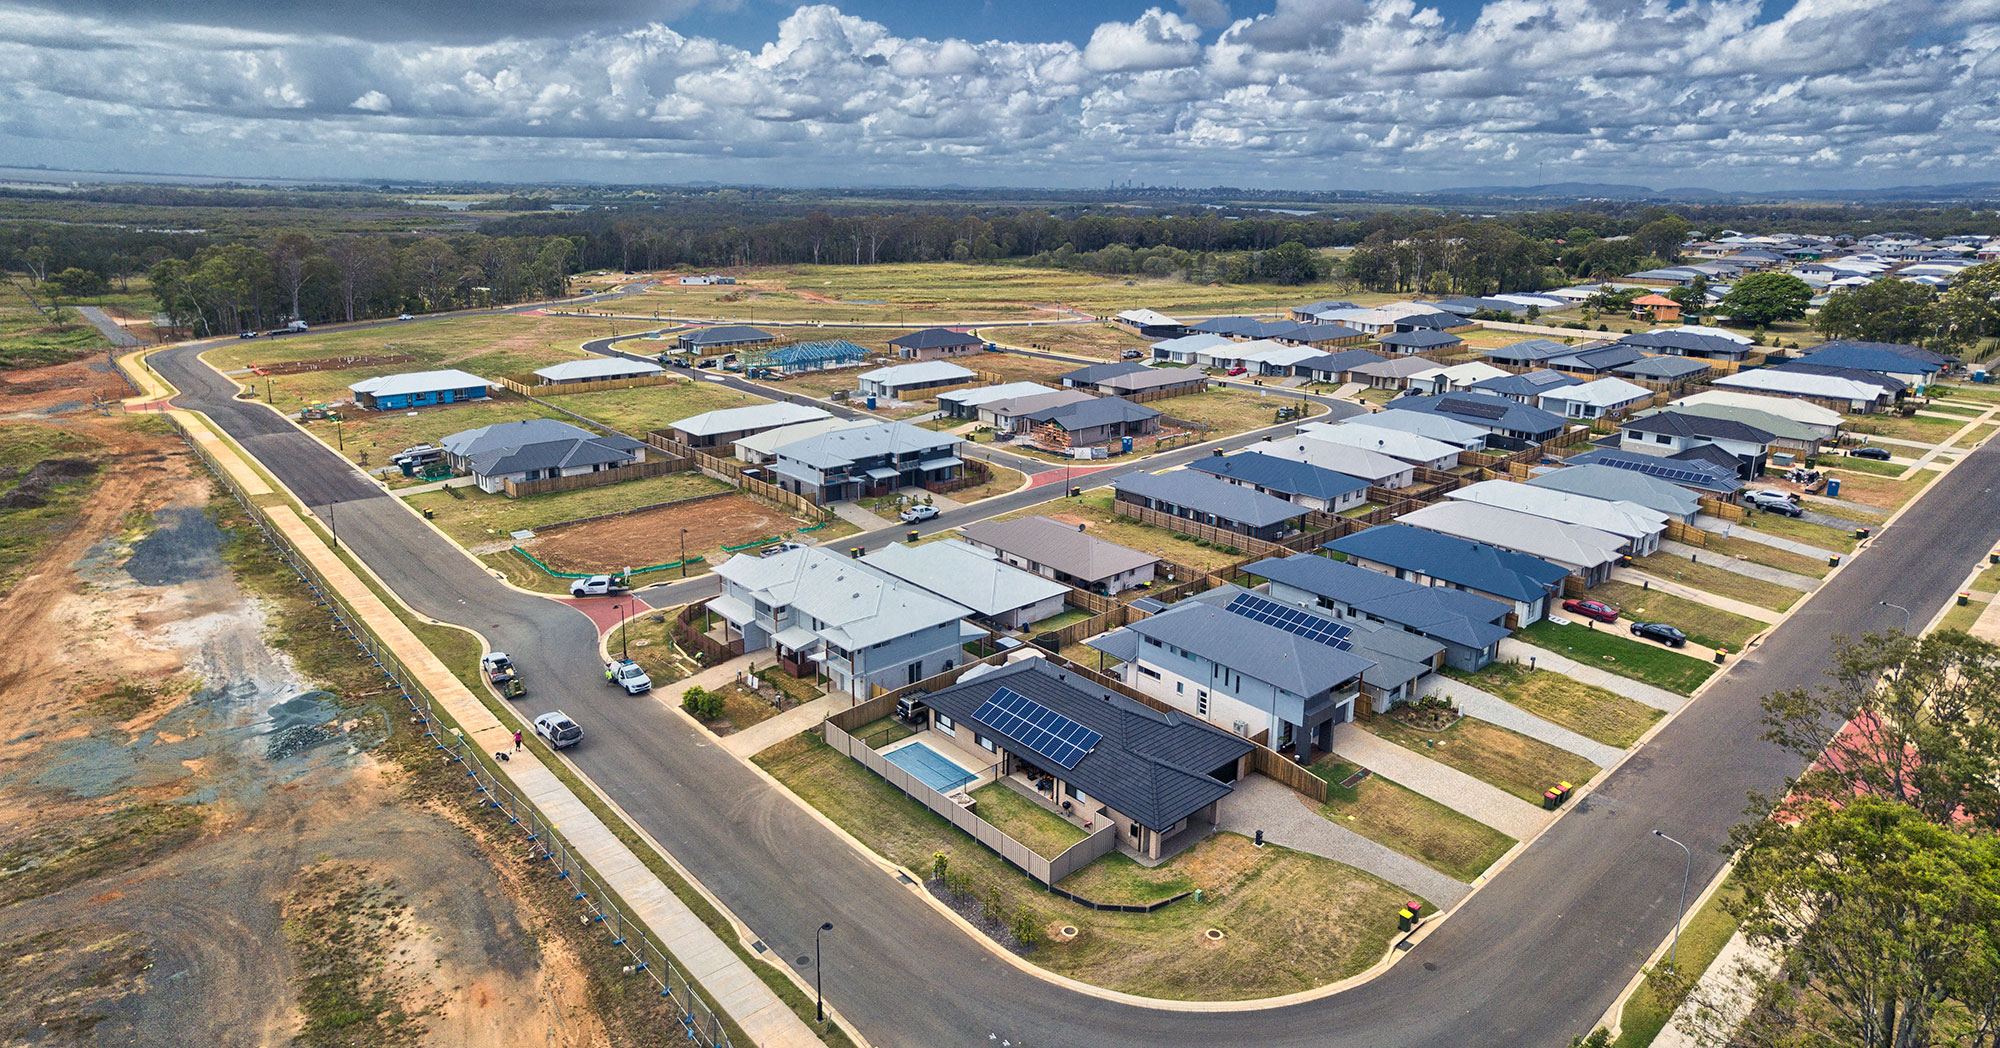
(1094, 511)
(1645, 662)
(1506, 759)
(642, 409)
(1043, 831)
(1709, 627)
(474, 517)
(1390, 814)
(1586, 709)
(1716, 579)
(1288, 921)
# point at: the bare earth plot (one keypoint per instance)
(654, 536)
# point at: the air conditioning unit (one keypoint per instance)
(1243, 728)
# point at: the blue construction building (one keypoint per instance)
(417, 389)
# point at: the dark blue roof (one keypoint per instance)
(1898, 348)
(1200, 491)
(1095, 373)
(1865, 357)
(1226, 325)
(1485, 410)
(1662, 367)
(726, 334)
(1687, 342)
(1602, 358)
(1532, 351)
(1431, 320)
(1437, 611)
(933, 338)
(1269, 471)
(1463, 562)
(1425, 338)
(1339, 360)
(1701, 476)
(1529, 384)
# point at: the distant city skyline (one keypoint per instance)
(1294, 94)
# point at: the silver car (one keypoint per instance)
(558, 730)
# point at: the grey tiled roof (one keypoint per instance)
(1201, 492)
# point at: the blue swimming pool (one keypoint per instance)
(934, 769)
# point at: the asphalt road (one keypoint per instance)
(1533, 959)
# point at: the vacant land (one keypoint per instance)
(1290, 921)
(370, 438)
(1921, 428)
(1387, 813)
(1839, 540)
(1231, 411)
(654, 536)
(1101, 341)
(1718, 580)
(45, 473)
(1884, 492)
(1770, 556)
(1642, 661)
(1000, 480)
(638, 411)
(1094, 511)
(1709, 627)
(474, 517)
(1512, 761)
(30, 338)
(1586, 709)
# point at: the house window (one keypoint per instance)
(1662, 438)
(1201, 703)
(946, 724)
(984, 742)
(1145, 671)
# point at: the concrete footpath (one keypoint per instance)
(1730, 530)
(1448, 786)
(1671, 588)
(1745, 567)
(705, 958)
(1287, 819)
(1495, 710)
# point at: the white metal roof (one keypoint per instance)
(597, 367)
(1799, 411)
(772, 439)
(1147, 318)
(1570, 545)
(1604, 393)
(418, 382)
(1803, 384)
(978, 395)
(1463, 374)
(920, 371)
(756, 416)
(1618, 517)
(965, 574)
(1395, 443)
(856, 604)
(1367, 465)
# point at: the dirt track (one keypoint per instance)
(654, 536)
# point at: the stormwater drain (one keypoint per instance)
(1430, 967)
(804, 960)
(1214, 934)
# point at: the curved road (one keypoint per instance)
(1532, 959)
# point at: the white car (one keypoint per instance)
(558, 730)
(628, 675)
(597, 586)
(917, 513)
(404, 316)
(776, 548)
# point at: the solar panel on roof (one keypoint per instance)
(1473, 408)
(1049, 734)
(1292, 620)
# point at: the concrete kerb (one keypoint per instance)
(1614, 1016)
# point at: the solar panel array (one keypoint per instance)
(1665, 469)
(1293, 620)
(1473, 408)
(1049, 734)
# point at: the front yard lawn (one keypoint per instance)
(1961, 617)
(1450, 842)
(1043, 831)
(1512, 761)
(1883, 492)
(1290, 921)
(1769, 556)
(1839, 540)
(1718, 580)
(1094, 511)
(1709, 627)
(1614, 653)
(472, 516)
(1586, 709)
(371, 438)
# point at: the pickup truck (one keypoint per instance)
(628, 675)
(597, 586)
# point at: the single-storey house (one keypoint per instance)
(1375, 468)
(1010, 415)
(1596, 360)
(1622, 485)
(1067, 554)
(726, 336)
(1497, 415)
(999, 593)
(416, 389)
(1823, 421)
(1320, 336)
(1148, 323)
(1662, 369)
(1641, 528)
(1310, 312)
(1088, 423)
(596, 369)
(964, 403)
(1529, 586)
(1452, 378)
(1702, 478)
(1585, 552)
(1393, 373)
(760, 449)
(1335, 367)
(1395, 443)
(1421, 340)
(1528, 386)
(1277, 359)
(1914, 367)
(1687, 344)
(1437, 427)
(1532, 353)
(1183, 350)
(535, 449)
(1149, 380)
(866, 460)
(902, 380)
(934, 344)
(1296, 482)
(1861, 391)
(1204, 499)
(1669, 432)
(714, 429)
(1594, 399)
(1468, 627)
(1087, 378)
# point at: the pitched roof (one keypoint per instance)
(1701, 476)
(1014, 407)
(1190, 343)
(1663, 368)
(1608, 482)
(597, 367)
(844, 446)
(1059, 546)
(1686, 341)
(1150, 765)
(1784, 379)
(1394, 367)
(726, 333)
(1600, 358)
(771, 439)
(417, 382)
(1531, 351)
(1913, 352)
(934, 338)
(1792, 408)
(1776, 425)
(1085, 376)
(755, 416)
(1871, 357)
(1276, 656)
(1625, 519)
(965, 575)
(1093, 412)
(1147, 318)
(1151, 378)
(1423, 338)
(469, 442)
(857, 604)
(977, 395)
(1484, 410)
(1276, 474)
(1339, 360)
(915, 372)
(1355, 462)
(1605, 392)
(1395, 443)
(1437, 427)
(1438, 611)
(1200, 491)
(1474, 565)
(506, 448)
(1685, 425)
(1521, 532)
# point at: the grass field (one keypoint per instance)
(642, 409)
(1608, 650)
(1884, 492)
(1094, 511)
(26, 529)
(472, 516)
(1102, 341)
(1961, 617)
(1043, 831)
(1835, 539)
(1718, 580)
(1770, 556)
(1917, 427)
(1512, 761)
(1232, 411)
(28, 339)
(1394, 815)
(1849, 464)
(1709, 627)
(1290, 921)
(1586, 709)
(1988, 580)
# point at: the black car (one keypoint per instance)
(1878, 454)
(1661, 632)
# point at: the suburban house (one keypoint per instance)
(1688, 344)
(1087, 378)
(1296, 482)
(535, 449)
(1002, 595)
(1184, 349)
(1529, 586)
(726, 336)
(1275, 359)
(1588, 553)
(1204, 499)
(1147, 323)
(1658, 309)
(1595, 360)
(1526, 387)
(1823, 421)
(714, 429)
(1381, 319)
(822, 612)
(1377, 469)
(1497, 415)
(1662, 369)
(705, 281)
(1453, 378)
(964, 403)
(901, 380)
(416, 389)
(596, 369)
(1407, 447)
(1640, 527)
(761, 448)
(1157, 776)
(1534, 352)
(1701, 477)
(1594, 399)
(867, 460)
(1393, 373)
(1669, 432)
(1622, 485)
(1150, 380)
(1069, 555)
(1861, 391)
(1434, 320)
(935, 343)
(1914, 367)
(1010, 415)
(1310, 312)
(1436, 427)
(1320, 336)
(1251, 663)
(1796, 437)
(1422, 340)
(1335, 367)
(1468, 627)
(1088, 423)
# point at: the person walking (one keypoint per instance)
(517, 740)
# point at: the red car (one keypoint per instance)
(1596, 609)
(1237, 371)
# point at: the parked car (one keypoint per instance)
(1595, 609)
(404, 316)
(776, 548)
(558, 730)
(1661, 632)
(496, 663)
(246, 334)
(628, 675)
(917, 513)
(1130, 354)
(910, 707)
(597, 586)
(1870, 452)
(1237, 371)
(1777, 502)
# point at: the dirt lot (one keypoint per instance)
(653, 537)
(210, 831)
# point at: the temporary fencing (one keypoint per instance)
(696, 559)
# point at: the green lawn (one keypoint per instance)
(1586, 709)
(1722, 582)
(1988, 580)
(1290, 921)
(1838, 540)
(1043, 831)
(1512, 761)
(28, 339)
(1612, 651)
(885, 732)
(1709, 627)
(1385, 812)
(1770, 556)
(1056, 622)
(1850, 464)
(1919, 428)
(26, 529)
(642, 409)
(1961, 618)
(472, 516)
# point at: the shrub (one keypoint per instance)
(940, 865)
(1027, 929)
(992, 905)
(703, 703)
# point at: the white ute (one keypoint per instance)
(628, 675)
(596, 586)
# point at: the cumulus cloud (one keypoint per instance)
(1316, 93)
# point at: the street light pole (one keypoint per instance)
(332, 524)
(684, 553)
(819, 995)
(623, 633)
(1673, 954)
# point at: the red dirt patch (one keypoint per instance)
(654, 536)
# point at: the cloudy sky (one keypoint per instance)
(1315, 94)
